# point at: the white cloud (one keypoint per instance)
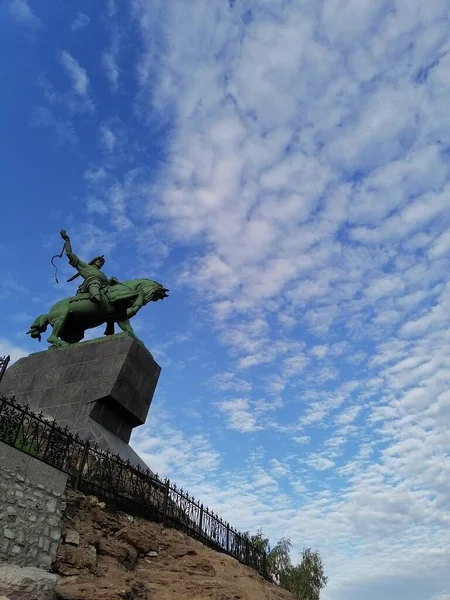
(238, 414)
(65, 106)
(294, 365)
(279, 469)
(348, 415)
(441, 246)
(319, 463)
(302, 439)
(121, 199)
(107, 137)
(319, 351)
(113, 138)
(287, 320)
(62, 128)
(78, 98)
(10, 348)
(21, 12)
(76, 73)
(385, 286)
(111, 8)
(80, 22)
(110, 61)
(173, 454)
(230, 382)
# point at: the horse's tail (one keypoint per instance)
(38, 326)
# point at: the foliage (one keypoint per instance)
(304, 580)
(258, 540)
(278, 558)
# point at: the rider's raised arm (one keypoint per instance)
(74, 261)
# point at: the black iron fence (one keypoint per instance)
(4, 360)
(139, 492)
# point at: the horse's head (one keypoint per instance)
(153, 291)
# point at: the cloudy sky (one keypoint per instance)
(283, 168)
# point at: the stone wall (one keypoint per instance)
(31, 505)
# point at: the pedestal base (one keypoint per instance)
(100, 389)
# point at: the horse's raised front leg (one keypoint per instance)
(125, 326)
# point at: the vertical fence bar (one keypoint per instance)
(16, 439)
(64, 454)
(247, 552)
(200, 524)
(166, 501)
(116, 483)
(228, 537)
(49, 442)
(81, 467)
(3, 364)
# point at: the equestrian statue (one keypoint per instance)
(98, 300)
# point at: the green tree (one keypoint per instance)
(258, 540)
(307, 579)
(278, 558)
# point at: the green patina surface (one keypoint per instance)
(98, 300)
(99, 340)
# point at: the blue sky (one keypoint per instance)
(283, 168)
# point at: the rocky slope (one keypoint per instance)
(107, 555)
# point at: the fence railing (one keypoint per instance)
(4, 360)
(130, 488)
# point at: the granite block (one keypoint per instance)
(48, 378)
(69, 374)
(98, 386)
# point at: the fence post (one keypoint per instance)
(3, 364)
(200, 525)
(247, 552)
(49, 442)
(166, 501)
(19, 431)
(81, 467)
(228, 537)
(264, 565)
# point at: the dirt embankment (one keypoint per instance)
(108, 555)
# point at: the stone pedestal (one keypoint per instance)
(100, 389)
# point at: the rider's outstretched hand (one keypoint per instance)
(64, 235)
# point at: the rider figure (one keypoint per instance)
(95, 281)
